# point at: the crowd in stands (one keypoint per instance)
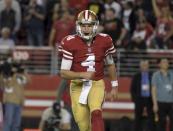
(132, 24)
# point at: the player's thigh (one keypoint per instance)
(81, 112)
(96, 95)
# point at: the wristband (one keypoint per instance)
(114, 84)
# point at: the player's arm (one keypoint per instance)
(156, 9)
(66, 73)
(111, 67)
(154, 93)
(52, 36)
(154, 99)
(113, 76)
(42, 125)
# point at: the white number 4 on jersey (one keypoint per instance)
(90, 63)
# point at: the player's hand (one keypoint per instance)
(114, 94)
(87, 75)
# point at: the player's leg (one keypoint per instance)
(81, 112)
(95, 100)
(8, 117)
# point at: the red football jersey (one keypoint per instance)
(85, 57)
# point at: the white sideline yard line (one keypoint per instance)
(119, 105)
(38, 103)
(106, 105)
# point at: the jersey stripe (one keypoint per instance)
(67, 56)
(110, 51)
(112, 48)
(60, 48)
(86, 15)
(66, 52)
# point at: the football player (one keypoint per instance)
(84, 56)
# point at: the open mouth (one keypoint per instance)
(86, 33)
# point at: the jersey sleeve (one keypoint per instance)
(66, 49)
(59, 50)
(110, 49)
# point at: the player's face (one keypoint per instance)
(144, 65)
(164, 64)
(87, 29)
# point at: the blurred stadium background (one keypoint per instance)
(42, 62)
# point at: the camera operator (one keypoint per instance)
(55, 118)
(14, 80)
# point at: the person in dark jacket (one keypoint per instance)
(141, 96)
